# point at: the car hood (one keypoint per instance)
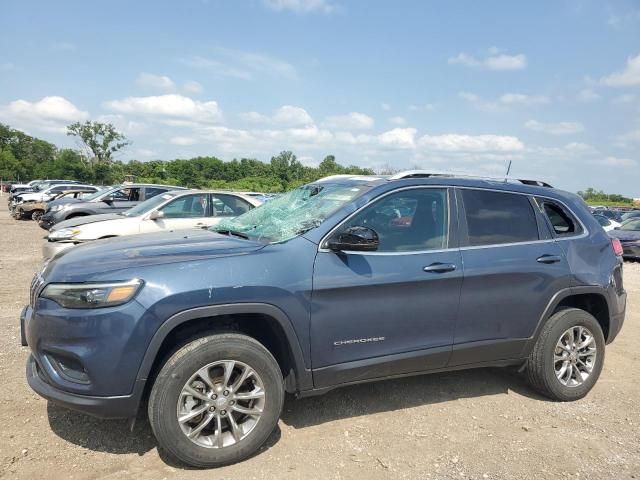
(92, 259)
(83, 220)
(625, 235)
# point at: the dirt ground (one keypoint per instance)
(476, 424)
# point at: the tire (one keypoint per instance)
(541, 365)
(37, 215)
(167, 400)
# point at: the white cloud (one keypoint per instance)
(522, 99)
(471, 143)
(560, 128)
(350, 121)
(427, 107)
(286, 115)
(49, 114)
(183, 141)
(64, 46)
(494, 61)
(629, 77)
(588, 95)
(619, 162)
(301, 6)
(398, 120)
(192, 86)
(291, 115)
(398, 137)
(170, 105)
(504, 102)
(625, 98)
(242, 64)
(159, 82)
(628, 139)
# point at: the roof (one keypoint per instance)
(422, 177)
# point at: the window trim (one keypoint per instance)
(180, 197)
(464, 226)
(573, 217)
(451, 211)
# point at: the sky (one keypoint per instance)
(459, 86)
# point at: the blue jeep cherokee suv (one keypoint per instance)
(348, 279)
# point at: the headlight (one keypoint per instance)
(55, 208)
(91, 295)
(64, 234)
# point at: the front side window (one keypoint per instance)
(187, 206)
(409, 220)
(495, 218)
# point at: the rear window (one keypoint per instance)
(497, 217)
(561, 221)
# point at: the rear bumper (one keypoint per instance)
(102, 407)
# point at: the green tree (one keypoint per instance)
(102, 140)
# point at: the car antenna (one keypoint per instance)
(508, 170)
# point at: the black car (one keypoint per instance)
(629, 235)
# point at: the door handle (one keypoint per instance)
(439, 268)
(548, 259)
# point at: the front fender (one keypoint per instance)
(304, 379)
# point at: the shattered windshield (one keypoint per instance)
(292, 213)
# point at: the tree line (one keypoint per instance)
(24, 158)
(593, 196)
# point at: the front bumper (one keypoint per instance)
(51, 249)
(125, 406)
(106, 360)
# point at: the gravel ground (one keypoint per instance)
(478, 424)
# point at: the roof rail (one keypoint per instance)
(432, 173)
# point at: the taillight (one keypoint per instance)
(617, 247)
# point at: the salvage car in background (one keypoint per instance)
(629, 235)
(35, 210)
(175, 210)
(115, 200)
(606, 223)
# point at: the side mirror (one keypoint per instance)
(356, 238)
(156, 215)
(108, 199)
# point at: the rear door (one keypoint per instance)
(512, 269)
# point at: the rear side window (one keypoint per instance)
(561, 221)
(495, 218)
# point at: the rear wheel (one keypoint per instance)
(567, 359)
(216, 400)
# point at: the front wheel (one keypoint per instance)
(216, 400)
(568, 356)
(37, 215)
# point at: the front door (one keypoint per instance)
(392, 311)
(185, 212)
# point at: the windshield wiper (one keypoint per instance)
(234, 233)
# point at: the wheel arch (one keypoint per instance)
(264, 322)
(592, 299)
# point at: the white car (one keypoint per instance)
(606, 223)
(174, 210)
(51, 191)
